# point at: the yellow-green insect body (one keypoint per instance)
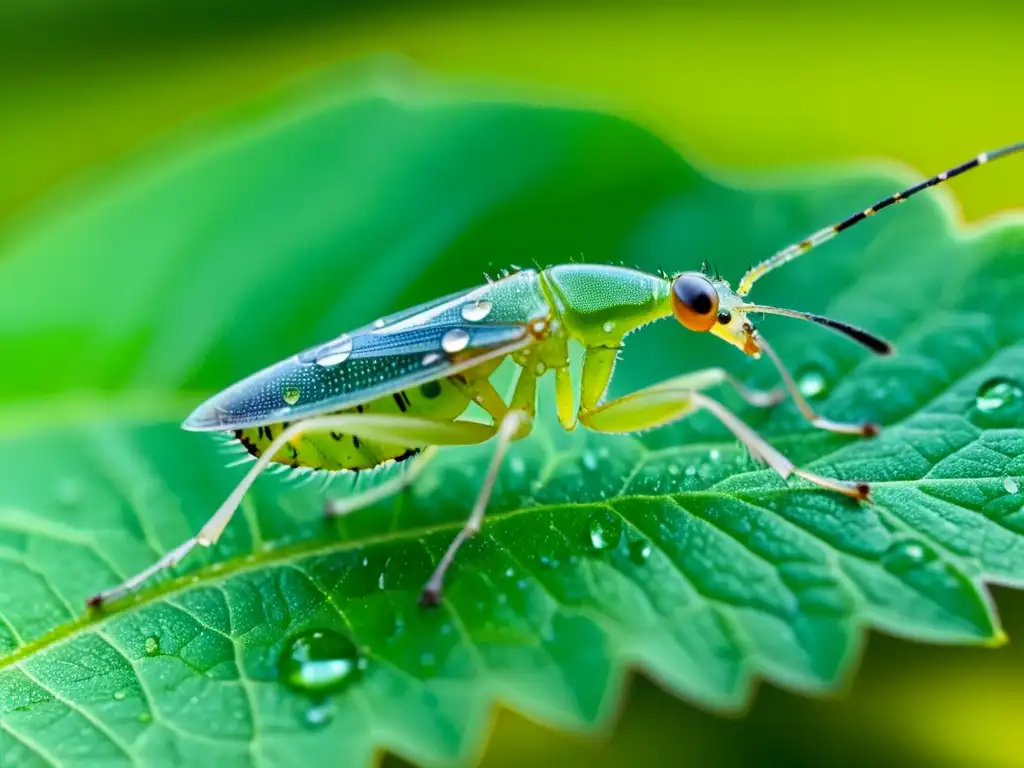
(529, 315)
(334, 451)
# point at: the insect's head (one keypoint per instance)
(702, 303)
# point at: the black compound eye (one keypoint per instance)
(694, 301)
(724, 317)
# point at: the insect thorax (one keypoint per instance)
(336, 451)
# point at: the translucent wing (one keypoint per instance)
(407, 349)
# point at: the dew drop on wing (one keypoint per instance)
(456, 340)
(476, 311)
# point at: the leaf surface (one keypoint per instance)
(318, 209)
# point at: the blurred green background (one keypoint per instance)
(743, 86)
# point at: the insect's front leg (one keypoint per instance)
(677, 398)
(599, 364)
(866, 429)
(386, 428)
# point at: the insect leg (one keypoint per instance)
(390, 487)
(512, 426)
(867, 429)
(598, 369)
(663, 403)
(387, 428)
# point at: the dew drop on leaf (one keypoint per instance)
(715, 454)
(320, 662)
(639, 551)
(119, 695)
(811, 382)
(319, 715)
(605, 531)
(996, 394)
(1011, 485)
(906, 556)
(291, 395)
(152, 646)
(589, 461)
(517, 465)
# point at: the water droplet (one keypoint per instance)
(540, 368)
(510, 572)
(608, 327)
(378, 323)
(906, 556)
(119, 695)
(715, 454)
(997, 394)
(811, 382)
(380, 580)
(455, 340)
(639, 551)
(320, 662)
(319, 715)
(291, 395)
(605, 531)
(334, 353)
(430, 358)
(1011, 485)
(517, 465)
(673, 469)
(914, 551)
(589, 461)
(547, 562)
(152, 646)
(476, 311)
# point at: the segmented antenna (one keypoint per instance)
(791, 252)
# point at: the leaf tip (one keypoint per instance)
(998, 639)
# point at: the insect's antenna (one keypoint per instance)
(877, 345)
(791, 252)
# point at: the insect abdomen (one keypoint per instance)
(335, 451)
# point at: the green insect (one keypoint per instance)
(390, 390)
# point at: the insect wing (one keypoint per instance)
(434, 341)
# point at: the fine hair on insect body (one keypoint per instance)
(397, 389)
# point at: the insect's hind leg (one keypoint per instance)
(665, 403)
(390, 487)
(386, 428)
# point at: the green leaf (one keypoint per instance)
(320, 208)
